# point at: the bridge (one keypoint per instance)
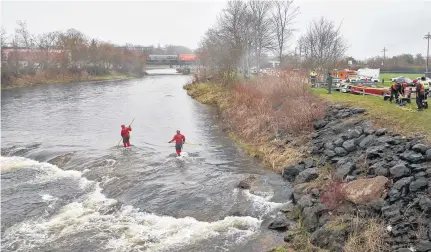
(172, 60)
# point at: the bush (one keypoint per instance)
(333, 195)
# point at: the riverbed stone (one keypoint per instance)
(246, 183)
(361, 191)
(366, 141)
(281, 223)
(306, 176)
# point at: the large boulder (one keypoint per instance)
(306, 176)
(399, 170)
(362, 191)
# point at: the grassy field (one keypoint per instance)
(388, 76)
(404, 120)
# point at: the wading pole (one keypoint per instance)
(129, 126)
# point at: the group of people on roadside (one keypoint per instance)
(398, 89)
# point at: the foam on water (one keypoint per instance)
(261, 205)
(124, 228)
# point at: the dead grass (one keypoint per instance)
(262, 109)
(368, 236)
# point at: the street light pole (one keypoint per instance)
(384, 55)
(428, 36)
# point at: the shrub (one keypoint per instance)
(333, 194)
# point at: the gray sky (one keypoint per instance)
(368, 26)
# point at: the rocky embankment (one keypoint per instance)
(355, 173)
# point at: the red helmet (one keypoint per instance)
(178, 131)
(122, 126)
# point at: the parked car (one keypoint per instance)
(404, 80)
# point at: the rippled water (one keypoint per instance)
(67, 186)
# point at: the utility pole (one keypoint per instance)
(384, 55)
(428, 36)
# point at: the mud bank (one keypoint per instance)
(355, 187)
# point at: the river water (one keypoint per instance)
(67, 186)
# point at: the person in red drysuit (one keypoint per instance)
(126, 135)
(179, 141)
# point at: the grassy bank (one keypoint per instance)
(404, 120)
(269, 121)
(27, 81)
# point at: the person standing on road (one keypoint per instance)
(179, 141)
(125, 134)
(420, 93)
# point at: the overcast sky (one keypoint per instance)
(368, 26)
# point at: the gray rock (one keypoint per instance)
(320, 124)
(309, 163)
(399, 171)
(423, 246)
(329, 146)
(417, 167)
(353, 134)
(358, 140)
(381, 171)
(425, 204)
(331, 239)
(344, 170)
(377, 205)
(359, 129)
(339, 142)
(404, 182)
(305, 201)
(315, 192)
(419, 175)
(390, 211)
(349, 145)
(384, 139)
(290, 172)
(306, 176)
(400, 229)
(419, 184)
(381, 132)
(287, 208)
(412, 156)
(428, 155)
(340, 151)
(329, 153)
(367, 140)
(368, 131)
(403, 250)
(358, 110)
(374, 152)
(310, 219)
(281, 223)
(421, 148)
(290, 234)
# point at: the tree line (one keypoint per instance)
(71, 52)
(398, 63)
(246, 30)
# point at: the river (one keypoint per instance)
(67, 186)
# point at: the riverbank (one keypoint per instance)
(27, 81)
(356, 186)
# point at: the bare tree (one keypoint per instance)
(261, 26)
(24, 37)
(3, 38)
(324, 46)
(283, 15)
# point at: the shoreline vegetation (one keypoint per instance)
(29, 81)
(348, 176)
